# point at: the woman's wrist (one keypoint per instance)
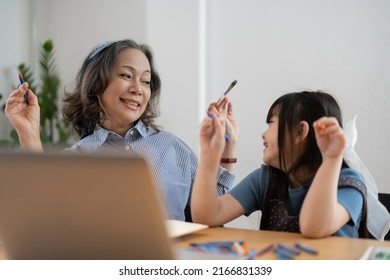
(30, 142)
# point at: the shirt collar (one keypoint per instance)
(142, 129)
(101, 134)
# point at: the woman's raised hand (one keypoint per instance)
(25, 117)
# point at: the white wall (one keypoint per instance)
(15, 47)
(77, 26)
(270, 47)
(173, 33)
(274, 47)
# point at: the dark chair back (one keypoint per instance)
(384, 198)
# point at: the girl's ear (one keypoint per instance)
(302, 132)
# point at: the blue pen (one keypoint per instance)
(283, 255)
(251, 255)
(306, 249)
(26, 93)
(265, 250)
(227, 138)
(217, 243)
(207, 249)
(288, 249)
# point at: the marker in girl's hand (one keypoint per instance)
(219, 101)
(211, 116)
(26, 93)
(226, 92)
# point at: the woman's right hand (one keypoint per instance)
(25, 117)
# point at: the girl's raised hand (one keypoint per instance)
(225, 107)
(212, 135)
(330, 137)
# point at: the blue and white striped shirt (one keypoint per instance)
(173, 162)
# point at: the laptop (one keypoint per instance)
(56, 206)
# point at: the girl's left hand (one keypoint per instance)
(330, 137)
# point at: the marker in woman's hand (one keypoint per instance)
(26, 93)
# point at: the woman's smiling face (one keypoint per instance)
(128, 92)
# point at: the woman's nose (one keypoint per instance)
(135, 88)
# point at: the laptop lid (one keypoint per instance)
(56, 206)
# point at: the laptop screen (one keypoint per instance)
(56, 206)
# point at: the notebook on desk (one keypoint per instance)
(80, 207)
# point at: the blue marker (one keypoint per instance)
(218, 243)
(265, 250)
(288, 249)
(26, 93)
(251, 255)
(283, 255)
(306, 249)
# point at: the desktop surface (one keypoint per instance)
(329, 248)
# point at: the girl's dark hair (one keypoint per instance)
(81, 106)
(291, 109)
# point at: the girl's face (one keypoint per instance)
(271, 148)
(128, 91)
(270, 142)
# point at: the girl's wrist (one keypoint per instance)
(210, 158)
(333, 160)
(228, 160)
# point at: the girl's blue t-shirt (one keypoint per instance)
(252, 190)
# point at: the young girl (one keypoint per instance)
(113, 107)
(304, 185)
